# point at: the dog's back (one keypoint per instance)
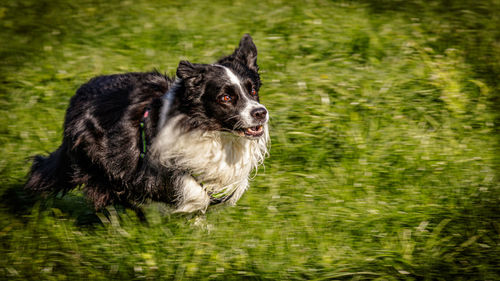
(101, 142)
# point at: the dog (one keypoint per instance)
(191, 141)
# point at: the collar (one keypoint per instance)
(142, 129)
(167, 99)
(216, 197)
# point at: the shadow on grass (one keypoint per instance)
(73, 205)
(20, 203)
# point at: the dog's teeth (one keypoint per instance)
(252, 131)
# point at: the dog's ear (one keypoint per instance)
(247, 53)
(190, 73)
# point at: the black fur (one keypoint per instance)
(102, 138)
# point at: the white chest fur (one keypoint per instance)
(222, 161)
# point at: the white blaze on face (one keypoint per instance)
(250, 104)
(234, 79)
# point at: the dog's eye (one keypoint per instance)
(253, 92)
(225, 98)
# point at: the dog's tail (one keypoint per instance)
(49, 174)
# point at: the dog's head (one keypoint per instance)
(225, 96)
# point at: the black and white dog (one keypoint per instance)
(191, 141)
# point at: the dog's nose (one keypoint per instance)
(259, 114)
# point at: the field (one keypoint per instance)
(384, 152)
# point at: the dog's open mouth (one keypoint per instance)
(256, 131)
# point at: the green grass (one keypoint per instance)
(384, 125)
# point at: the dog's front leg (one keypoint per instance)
(191, 196)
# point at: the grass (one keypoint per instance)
(383, 162)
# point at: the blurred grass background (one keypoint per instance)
(384, 158)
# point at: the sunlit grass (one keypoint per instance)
(382, 162)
